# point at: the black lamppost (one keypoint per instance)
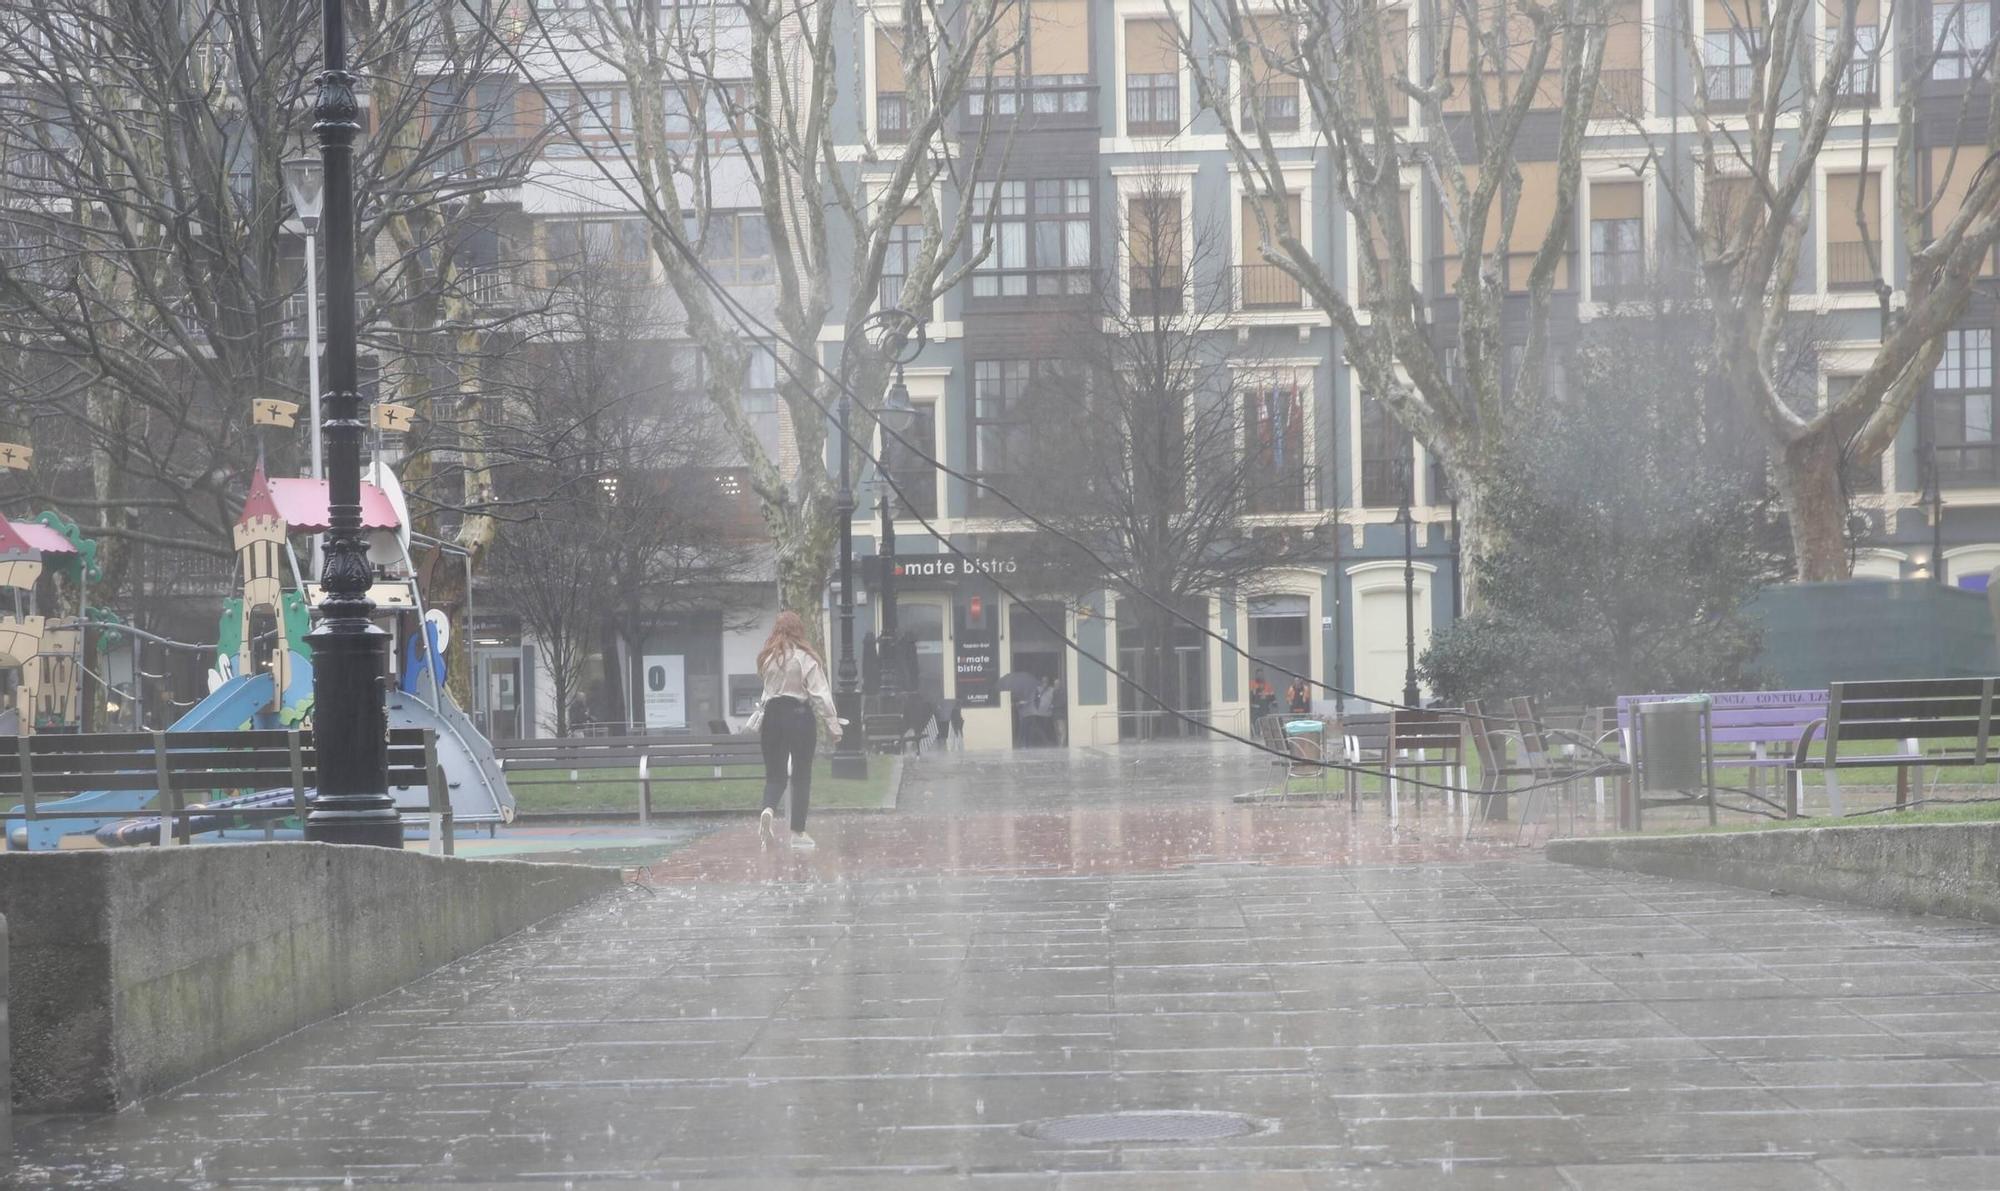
(896, 417)
(350, 652)
(849, 759)
(1408, 521)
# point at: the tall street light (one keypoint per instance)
(350, 652)
(306, 183)
(895, 417)
(1408, 521)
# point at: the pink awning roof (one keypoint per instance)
(302, 505)
(41, 537)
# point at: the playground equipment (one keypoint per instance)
(263, 675)
(45, 681)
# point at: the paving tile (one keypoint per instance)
(1410, 1012)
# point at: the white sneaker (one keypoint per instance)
(765, 830)
(803, 842)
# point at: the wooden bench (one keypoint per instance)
(37, 769)
(565, 760)
(1954, 712)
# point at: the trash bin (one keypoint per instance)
(1670, 745)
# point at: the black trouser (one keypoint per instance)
(789, 736)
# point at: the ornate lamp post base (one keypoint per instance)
(350, 665)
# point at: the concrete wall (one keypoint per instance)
(1941, 868)
(136, 970)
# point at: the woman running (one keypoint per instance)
(796, 693)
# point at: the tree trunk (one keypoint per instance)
(806, 557)
(1815, 506)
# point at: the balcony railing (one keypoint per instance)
(1266, 287)
(1272, 106)
(489, 287)
(1620, 93)
(892, 117)
(1851, 264)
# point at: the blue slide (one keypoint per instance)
(229, 707)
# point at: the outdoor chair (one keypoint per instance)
(1558, 756)
(1424, 742)
(1495, 744)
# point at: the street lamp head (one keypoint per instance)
(897, 415)
(305, 182)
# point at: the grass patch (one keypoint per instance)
(741, 787)
(1966, 812)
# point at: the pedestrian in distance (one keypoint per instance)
(797, 701)
(1299, 697)
(1262, 697)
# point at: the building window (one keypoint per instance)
(906, 243)
(591, 242)
(1853, 230)
(1863, 69)
(892, 100)
(1963, 403)
(760, 399)
(1055, 258)
(586, 121)
(1152, 79)
(1961, 31)
(1621, 83)
(1041, 63)
(1730, 44)
(1261, 285)
(719, 112)
(1270, 96)
(1274, 442)
(1386, 454)
(1617, 240)
(736, 247)
(1153, 243)
(999, 424)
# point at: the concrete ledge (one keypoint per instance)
(1920, 868)
(135, 970)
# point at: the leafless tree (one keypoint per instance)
(150, 282)
(1387, 112)
(737, 109)
(603, 434)
(1766, 118)
(1174, 469)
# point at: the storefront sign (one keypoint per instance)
(951, 566)
(978, 656)
(666, 690)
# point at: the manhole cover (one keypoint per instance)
(1133, 1127)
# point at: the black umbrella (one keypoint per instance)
(1022, 685)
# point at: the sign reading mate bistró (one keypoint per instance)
(951, 566)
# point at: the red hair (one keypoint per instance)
(787, 634)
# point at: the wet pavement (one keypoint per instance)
(1035, 938)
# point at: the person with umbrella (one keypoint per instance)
(1023, 686)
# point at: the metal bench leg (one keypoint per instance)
(1833, 803)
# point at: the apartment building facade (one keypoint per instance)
(1097, 108)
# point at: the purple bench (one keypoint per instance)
(1754, 730)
